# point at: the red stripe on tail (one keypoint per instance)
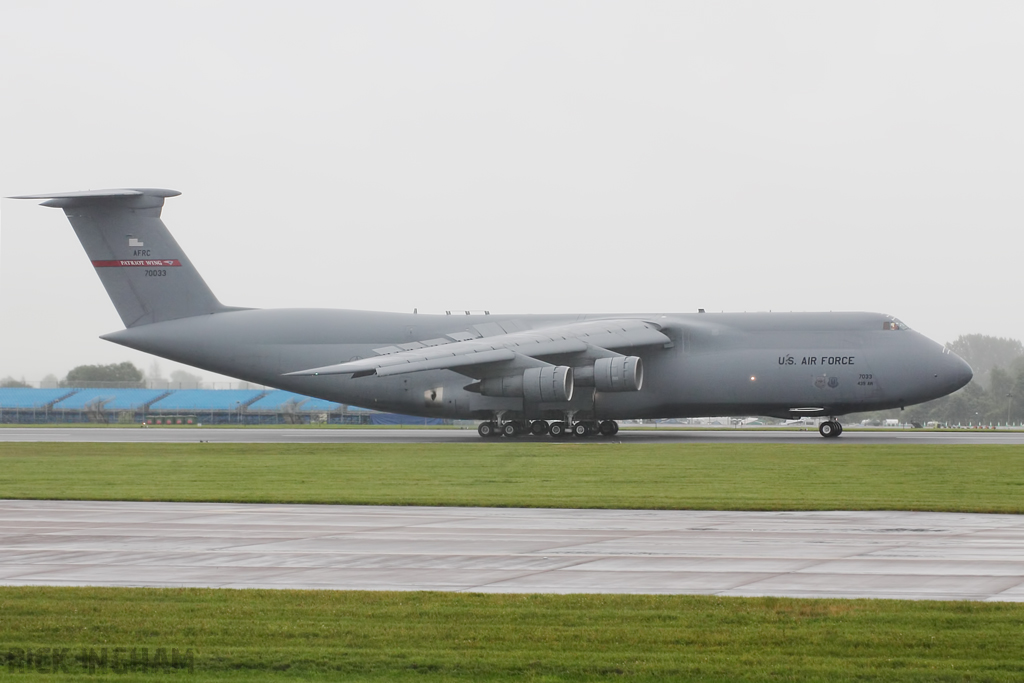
(132, 263)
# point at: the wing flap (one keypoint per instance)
(377, 366)
(478, 358)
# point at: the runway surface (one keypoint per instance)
(412, 435)
(799, 554)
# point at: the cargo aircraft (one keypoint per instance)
(558, 375)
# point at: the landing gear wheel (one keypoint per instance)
(558, 429)
(510, 430)
(830, 429)
(608, 428)
(580, 430)
(487, 429)
(539, 428)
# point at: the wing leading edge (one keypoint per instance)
(597, 338)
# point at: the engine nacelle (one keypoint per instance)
(548, 385)
(622, 373)
(551, 384)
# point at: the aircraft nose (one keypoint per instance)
(960, 372)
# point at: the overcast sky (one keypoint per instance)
(522, 157)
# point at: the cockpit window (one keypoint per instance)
(893, 325)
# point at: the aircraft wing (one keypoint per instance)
(522, 349)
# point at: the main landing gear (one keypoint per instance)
(556, 430)
(511, 429)
(830, 429)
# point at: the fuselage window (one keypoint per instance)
(893, 325)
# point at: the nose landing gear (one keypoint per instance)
(830, 429)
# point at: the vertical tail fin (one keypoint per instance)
(146, 274)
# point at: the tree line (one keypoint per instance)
(115, 375)
(995, 395)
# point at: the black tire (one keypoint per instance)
(539, 427)
(486, 429)
(608, 428)
(510, 430)
(827, 429)
(558, 429)
(580, 430)
(839, 428)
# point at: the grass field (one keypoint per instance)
(818, 476)
(137, 634)
(243, 635)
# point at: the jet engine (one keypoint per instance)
(551, 384)
(621, 373)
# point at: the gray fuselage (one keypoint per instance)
(778, 364)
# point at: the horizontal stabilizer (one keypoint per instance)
(135, 198)
(87, 194)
